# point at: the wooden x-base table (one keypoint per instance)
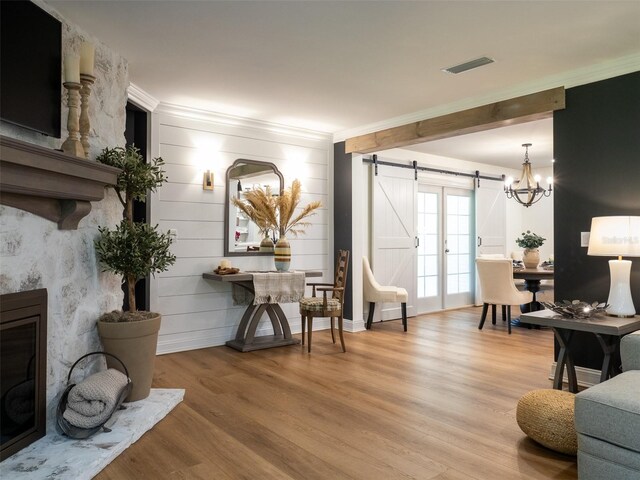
(608, 331)
(246, 340)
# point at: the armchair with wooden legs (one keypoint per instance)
(374, 292)
(331, 306)
(497, 288)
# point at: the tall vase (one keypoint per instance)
(282, 254)
(266, 245)
(531, 257)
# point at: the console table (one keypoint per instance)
(246, 340)
(608, 331)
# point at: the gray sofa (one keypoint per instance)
(608, 421)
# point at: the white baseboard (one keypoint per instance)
(199, 340)
(587, 377)
(353, 326)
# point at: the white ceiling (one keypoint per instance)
(501, 146)
(334, 66)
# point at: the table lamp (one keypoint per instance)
(617, 236)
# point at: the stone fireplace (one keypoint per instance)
(57, 188)
(42, 250)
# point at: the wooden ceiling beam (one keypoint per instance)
(527, 108)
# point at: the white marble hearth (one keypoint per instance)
(60, 458)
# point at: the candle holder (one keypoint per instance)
(85, 124)
(72, 144)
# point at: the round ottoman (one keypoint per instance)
(546, 416)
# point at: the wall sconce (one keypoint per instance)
(207, 180)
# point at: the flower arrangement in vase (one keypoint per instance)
(277, 213)
(261, 206)
(289, 222)
(530, 242)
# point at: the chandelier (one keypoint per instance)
(528, 190)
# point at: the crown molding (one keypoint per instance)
(237, 121)
(574, 78)
(141, 98)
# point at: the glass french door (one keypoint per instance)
(445, 276)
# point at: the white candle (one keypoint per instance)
(87, 54)
(225, 264)
(72, 68)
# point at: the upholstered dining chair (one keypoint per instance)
(497, 288)
(374, 292)
(330, 306)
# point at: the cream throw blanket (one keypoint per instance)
(278, 287)
(274, 287)
(91, 402)
(271, 287)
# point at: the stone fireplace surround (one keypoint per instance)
(36, 253)
(54, 186)
(53, 249)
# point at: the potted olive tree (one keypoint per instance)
(133, 250)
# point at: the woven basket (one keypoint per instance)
(66, 428)
(547, 416)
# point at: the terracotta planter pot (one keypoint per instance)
(531, 257)
(135, 344)
(282, 254)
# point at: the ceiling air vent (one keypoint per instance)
(463, 67)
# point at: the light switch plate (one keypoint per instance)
(584, 239)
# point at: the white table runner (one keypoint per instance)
(272, 287)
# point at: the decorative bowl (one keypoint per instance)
(577, 308)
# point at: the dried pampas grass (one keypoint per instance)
(278, 213)
(261, 207)
(287, 204)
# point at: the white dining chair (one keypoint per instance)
(497, 288)
(374, 292)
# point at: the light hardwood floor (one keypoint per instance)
(437, 402)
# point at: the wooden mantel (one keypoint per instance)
(49, 183)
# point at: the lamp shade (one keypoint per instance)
(615, 236)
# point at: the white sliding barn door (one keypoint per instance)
(491, 221)
(491, 218)
(393, 248)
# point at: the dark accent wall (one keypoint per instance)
(342, 216)
(596, 173)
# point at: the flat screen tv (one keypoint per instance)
(30, 67)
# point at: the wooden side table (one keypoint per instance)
(608, 331)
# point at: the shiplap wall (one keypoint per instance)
(198, 313)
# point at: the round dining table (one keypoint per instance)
(532, 278)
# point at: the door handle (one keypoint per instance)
(446, 250)
(416, 242)
(479, 241)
